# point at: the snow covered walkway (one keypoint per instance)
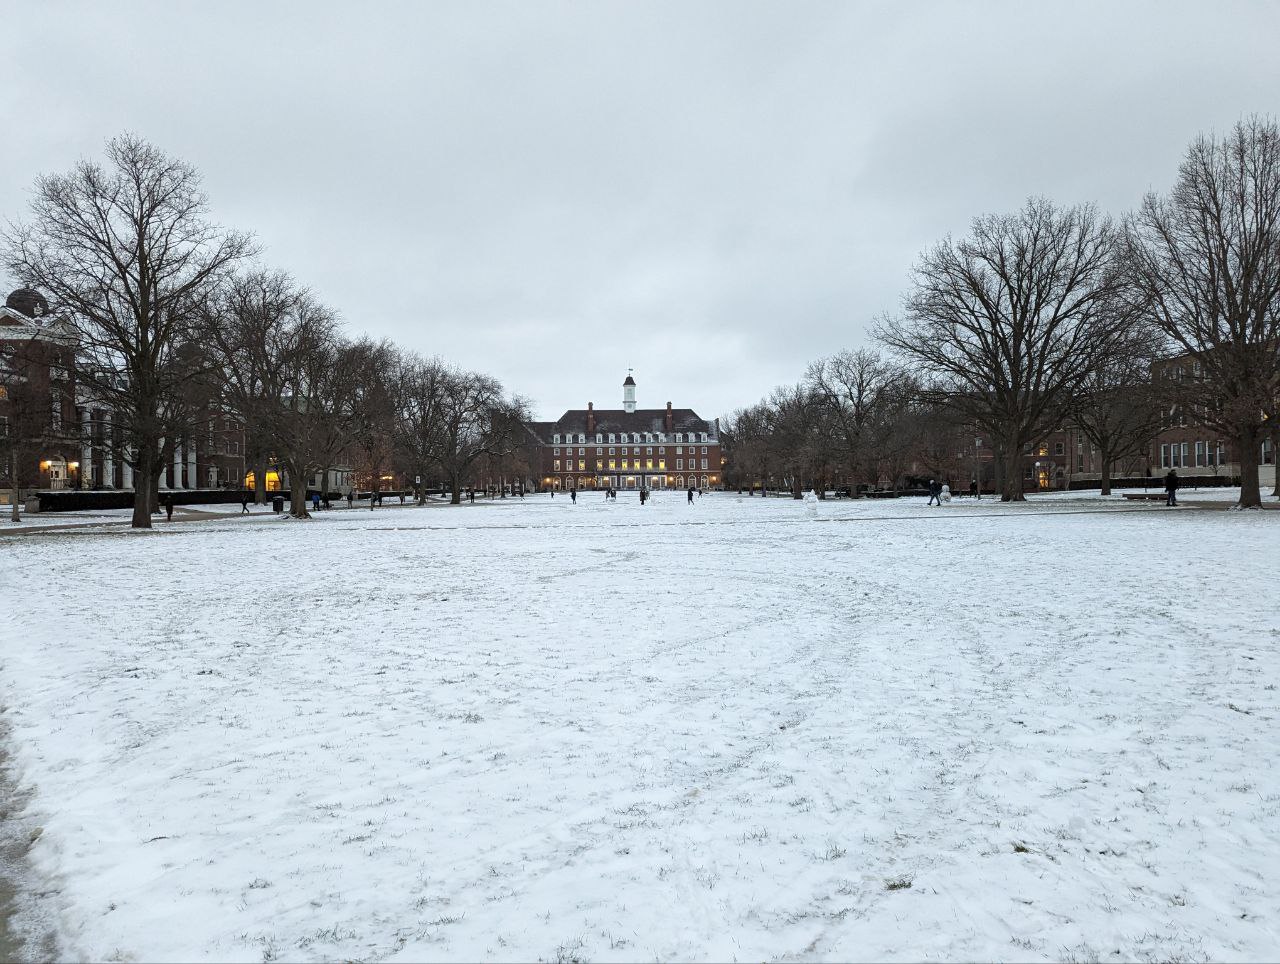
(531, 729)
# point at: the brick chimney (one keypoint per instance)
(667, 420)
(591, 418)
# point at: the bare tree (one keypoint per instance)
(1118, 408)
(1205, 262)
(856, 391)
(251, 327)
(1005, 325)
(126, 251)
(453, 419)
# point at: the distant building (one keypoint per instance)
(39, 429)
(627, 448)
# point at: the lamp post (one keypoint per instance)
(1037, 476)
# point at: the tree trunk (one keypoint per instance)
(1247, 448)
(1106, 473)
(143, 482)
(1275, 459)
(298, 492)
(1012, 491)
(455, 496)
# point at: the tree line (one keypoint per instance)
(176, 320)
(1053, 316)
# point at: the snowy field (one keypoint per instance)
(737, 730)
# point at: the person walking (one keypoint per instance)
(471, 496)
(351, 498)
(573, 496)
(1171, 488)
(315, 501)
(935, 492)
(691, 495)
(973, 489)
(168, 508)
(244, 503)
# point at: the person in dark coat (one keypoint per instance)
(1171, 487)
(973, 489)
(691, 495)
(351, 498)
(244, 504)
(573, 496)
(168, 508)
(935, 492)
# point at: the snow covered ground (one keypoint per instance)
(737, 730)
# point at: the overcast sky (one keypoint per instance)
(712, 194)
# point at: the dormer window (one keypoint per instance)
(555, 439)
(599, 437)
(679, 436)
(581, 437)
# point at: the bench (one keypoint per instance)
(1147, 496)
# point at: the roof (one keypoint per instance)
(629, 381)
(619, 420)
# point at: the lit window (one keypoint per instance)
(582, 465)
(555, 465)
(613, 463)
(648, 463)
(662, 465)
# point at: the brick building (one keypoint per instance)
(627, 448)
(39, 430)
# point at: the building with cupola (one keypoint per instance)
(627, 448)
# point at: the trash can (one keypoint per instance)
(277, 503)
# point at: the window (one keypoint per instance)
(1164, 456)
(662, 465)
(649, 450)
(679, 465)
(704, 463)
(704, 450)
(581, 451)
(679, 438)
(612, 439)
(555, 439)
(581, 437)
(1202, 453)
(662, 450)
(1026, 472)
(635, 437)
(1079, 463)
(582, 465)
(56, 415)
(555, 451)
(555, 465)
(599, 438)
(679, 481)
(1057, 448)
(612, 462)
(648, 463)
(704, 482)
(679, 450)
(599, 464)
(611, 452)
(1042, 449)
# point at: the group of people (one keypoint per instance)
(611, 495)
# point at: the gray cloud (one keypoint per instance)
(711, 193)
